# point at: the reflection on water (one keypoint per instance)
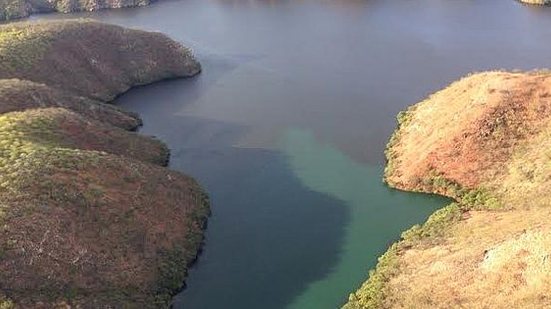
(287, 124)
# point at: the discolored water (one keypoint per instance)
(287, 124)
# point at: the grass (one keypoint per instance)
(372, 293)
(22, 47)
(20, 95)
(12, 9)
(91, 188)
(44, 53)
(88, 215)
(490, 247)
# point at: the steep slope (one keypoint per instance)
(483, 141)
(89, 217)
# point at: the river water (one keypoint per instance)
(287, 125)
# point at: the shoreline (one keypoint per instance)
(102, 162)
(496, 217)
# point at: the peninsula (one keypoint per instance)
(483, 141)
(88, 214)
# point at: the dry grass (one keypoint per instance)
(468, 132)
(490, 260)
(484, 141)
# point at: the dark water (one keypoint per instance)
(287, 124)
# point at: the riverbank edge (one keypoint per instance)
(28, 10)
(202, 211)
(198, 240)
(372, 292)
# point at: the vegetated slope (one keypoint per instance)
(19, 95)
(483, 141)
(106, 60)
(13, 9)
(89, 217)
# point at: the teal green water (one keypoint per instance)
(323, 168)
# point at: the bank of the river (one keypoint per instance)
(89, 215)
(15, 9)
(483, 141)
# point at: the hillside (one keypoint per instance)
(13, 9)
(483, 141)
(90, 217)
(106, 60)
(19, 95)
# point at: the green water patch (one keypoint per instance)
(378, 214)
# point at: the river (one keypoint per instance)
(287, 124)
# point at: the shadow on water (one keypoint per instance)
(269, 235)
(294, 227)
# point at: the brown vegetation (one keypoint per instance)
(485, 142)
(20, 95)
(107, 60)
(88, 216)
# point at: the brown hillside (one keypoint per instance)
(467, 133)
(95, 230)
(71, 130)
(88, 216)
(484, 141)
(19, 95)
(107, 60)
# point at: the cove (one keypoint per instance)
(287, 124)
(296, 225)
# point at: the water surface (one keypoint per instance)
(287, 124)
